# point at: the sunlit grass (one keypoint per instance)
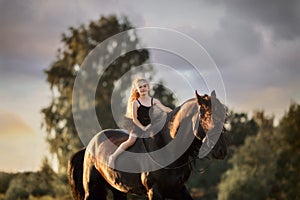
(50, 198)
(2, 196)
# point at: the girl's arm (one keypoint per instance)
(134, 116)
(161, 106)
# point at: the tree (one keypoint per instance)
(267, 165)
(58, 116)
(240, 127)
(5, 179)
(288, 163)
(254, 165)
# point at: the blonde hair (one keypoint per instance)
(134, 95)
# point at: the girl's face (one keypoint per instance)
(143, 88)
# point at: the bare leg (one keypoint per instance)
(125, 145)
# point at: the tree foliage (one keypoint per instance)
(240, 127)
(252, 172)
(253, 165)
(58, 117)
(5, 179)
(288, 163)
(164, 95)
(267, 165)
(78, 44)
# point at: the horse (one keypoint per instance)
(167, 160)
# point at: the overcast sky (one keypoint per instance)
(255, 45)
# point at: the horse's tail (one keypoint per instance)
(75, 174)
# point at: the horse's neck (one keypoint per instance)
(187, 159)
(168, 132)
(182, 116)
(181, 125)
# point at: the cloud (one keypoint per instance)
(13, 124)
(31, 30)
(25, 32)
(281, 17)
(254, 43)
(259, 62)
(234, 41)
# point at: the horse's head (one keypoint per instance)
(212, 114)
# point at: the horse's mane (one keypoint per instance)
(206, 116)
(174, 119)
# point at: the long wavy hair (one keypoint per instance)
(134, 95)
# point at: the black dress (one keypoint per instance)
(143, 114)
(146, 115)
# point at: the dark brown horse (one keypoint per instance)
(156, 166)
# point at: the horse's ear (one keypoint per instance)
(213, 94)
(200, 100)
(196, 94)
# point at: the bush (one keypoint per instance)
(36, 184)
(5, 179)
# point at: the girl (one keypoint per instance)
(138, 108)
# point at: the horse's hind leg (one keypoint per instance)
(154, 194)
(75, 174)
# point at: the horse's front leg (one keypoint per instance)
(154, 194)
(151, 187)
(184, 194)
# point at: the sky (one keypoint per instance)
(254, 44)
